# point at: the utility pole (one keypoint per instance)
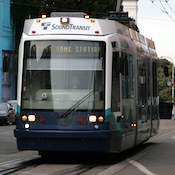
(118, 5)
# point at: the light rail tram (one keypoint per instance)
(85, 85)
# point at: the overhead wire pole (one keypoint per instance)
(172, 83)
(118, 5)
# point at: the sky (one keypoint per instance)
(156, 21)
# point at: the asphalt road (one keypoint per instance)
(8, 141)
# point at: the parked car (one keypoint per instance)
(13, 103)
(7, 113)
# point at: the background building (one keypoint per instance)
(131, 7)
(7, 59)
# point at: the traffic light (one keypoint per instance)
(166, 72)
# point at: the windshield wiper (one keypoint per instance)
(76, 105)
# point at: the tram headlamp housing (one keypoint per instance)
(24, 118)
(64, 20)
(86, 16)
(94, 118)
(27, 126)
(101, 119)
(30, 118)
(44, 16)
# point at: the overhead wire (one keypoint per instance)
(163, 8)
(170, 6)
(165, 11)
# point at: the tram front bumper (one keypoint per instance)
(73, 141)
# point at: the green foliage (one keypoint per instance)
(164, 90)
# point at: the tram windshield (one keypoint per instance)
(60, 74)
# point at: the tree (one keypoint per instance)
(164, 89)
(22, 10)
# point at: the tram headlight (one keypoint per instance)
(64, 20)
(31, 117)
(92, 118)
(44, 16)
(24, 118)
(27, 126)
(101, 119)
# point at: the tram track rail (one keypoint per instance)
(77, 167)
(10, 167)
(80, 169)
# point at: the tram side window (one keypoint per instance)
(127, 77)
(148, 79)
(154, 69)
(142, 86)
(115, 95)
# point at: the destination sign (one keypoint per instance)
(68, 49)
(78, 49)
(60, 48)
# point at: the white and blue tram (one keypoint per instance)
(115, 105)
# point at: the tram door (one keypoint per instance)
(144, 122)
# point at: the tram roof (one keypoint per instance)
(80, 24)
(75, 25)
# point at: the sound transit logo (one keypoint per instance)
(45, 25)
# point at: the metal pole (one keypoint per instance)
(173, 82)
(172, 75)
(118, 5)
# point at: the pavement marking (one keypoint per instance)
(141, 167)
(157, 137)
(114, 168)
